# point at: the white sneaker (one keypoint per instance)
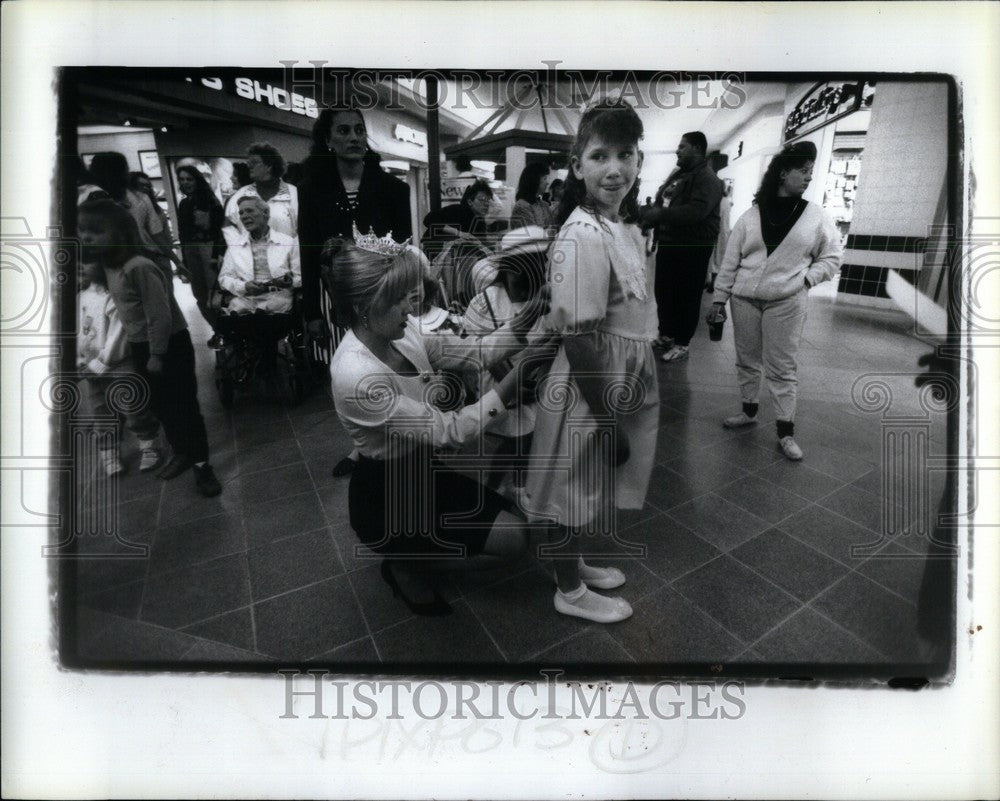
(112, 463)
(739, 420)
(590, 606)
(150, 455)
(675, 354)
(790, 449)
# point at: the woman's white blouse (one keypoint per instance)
(387, 414)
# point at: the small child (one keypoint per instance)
(519, 273)
(157, 334)
(102, 353)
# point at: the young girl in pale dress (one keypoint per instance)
(596, 426)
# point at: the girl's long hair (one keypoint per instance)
(792, 157)
(530, 180)
(616, 122)
(204, 198)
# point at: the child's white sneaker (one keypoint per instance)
(149, 455)
(112, 463)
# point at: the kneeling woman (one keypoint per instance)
(403, 503)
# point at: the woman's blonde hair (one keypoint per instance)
(362, 283)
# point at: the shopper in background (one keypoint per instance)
(199, 220)
(266, 166)
(343, 185)
(686, 216)
(529, 208)
(555, 195)
(777, 251)
(261, 269)
(464, 220)
(110, 172)
(102, 356)
(157, 334)
(142, 183)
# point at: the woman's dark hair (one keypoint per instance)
(615, 121)
(269, 154)
(475, 188)
(530, 181)
(110, 172)
(126, 239)
(321, 157)
(792, 157)
(242, 173)
(204, 198)
(556, 184)
(133, 181)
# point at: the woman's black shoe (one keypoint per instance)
(436, 608)
(344, 467)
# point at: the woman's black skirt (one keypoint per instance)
(414, 506)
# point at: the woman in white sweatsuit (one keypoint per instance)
(777, 251)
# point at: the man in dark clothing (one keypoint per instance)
(686, 217)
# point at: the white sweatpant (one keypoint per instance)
(767, 335)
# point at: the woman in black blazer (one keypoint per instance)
(344, 185)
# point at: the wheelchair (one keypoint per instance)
(266, 348)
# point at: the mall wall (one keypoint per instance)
(128, 144)
(902, 194)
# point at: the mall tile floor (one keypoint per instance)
(748, 556)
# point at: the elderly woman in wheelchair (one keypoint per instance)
(260, 275)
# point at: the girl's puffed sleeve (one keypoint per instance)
(579, 279)
(370, 401)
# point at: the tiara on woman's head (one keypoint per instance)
(384, 246)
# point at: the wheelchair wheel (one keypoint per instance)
(224, 383)
(289, 377)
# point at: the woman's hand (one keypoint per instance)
(202, 220)
(154, 365)
(529, 365)
(717, 314)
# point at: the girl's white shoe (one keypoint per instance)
(600, 578)
(586, 604)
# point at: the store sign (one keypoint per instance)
(274, 96)
(452, 189)
(824, 103)
(406, 134)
